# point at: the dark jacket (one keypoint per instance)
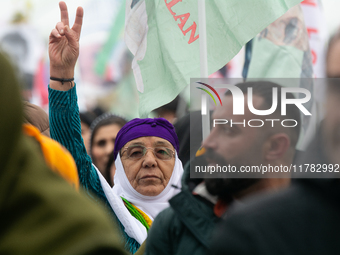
(303, 219)
(185, 227)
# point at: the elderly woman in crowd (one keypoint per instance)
(148, 170)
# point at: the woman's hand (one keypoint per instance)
(64, 47)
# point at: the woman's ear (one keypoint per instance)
(276, 146)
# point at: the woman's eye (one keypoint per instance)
(162, 151)
(135, 152)
(101, 143)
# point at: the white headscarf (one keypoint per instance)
(151, 205)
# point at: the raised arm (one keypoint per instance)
(64, 48)
(64, 112)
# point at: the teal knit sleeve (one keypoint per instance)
(65, 128)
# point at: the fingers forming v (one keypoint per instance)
(64, 13)
(55, 33)
(78, 21)
(61, 28)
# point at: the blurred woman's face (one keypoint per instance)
(103, 144)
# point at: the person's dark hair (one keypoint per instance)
(169, 107)
(264, 89)
(87, 117)
(98, 111)
(104, 120)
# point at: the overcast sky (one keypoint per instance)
(45, 13)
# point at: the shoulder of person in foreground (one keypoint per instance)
(160, 234)
(183, 228)
(285, 222)
(239, 233)
(41, 202)
(56, 156)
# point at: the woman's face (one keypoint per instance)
(148, 175)
(103, 144)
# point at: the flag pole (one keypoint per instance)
(204, 67)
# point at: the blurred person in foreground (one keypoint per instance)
(148, 171)
(187, 226)
(40, 212)
(303, 219)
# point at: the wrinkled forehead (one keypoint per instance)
(149, 141)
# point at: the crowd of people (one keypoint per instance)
(86, 183)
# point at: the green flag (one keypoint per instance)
(282, 50)
(114, 35)
(163, 36)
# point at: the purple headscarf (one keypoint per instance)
(145, 127)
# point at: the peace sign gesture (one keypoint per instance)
(64, 44)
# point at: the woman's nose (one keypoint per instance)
(149, 160)
(109, 148)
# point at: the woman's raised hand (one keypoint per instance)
(64, 46)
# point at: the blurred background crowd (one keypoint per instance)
(104, 68)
